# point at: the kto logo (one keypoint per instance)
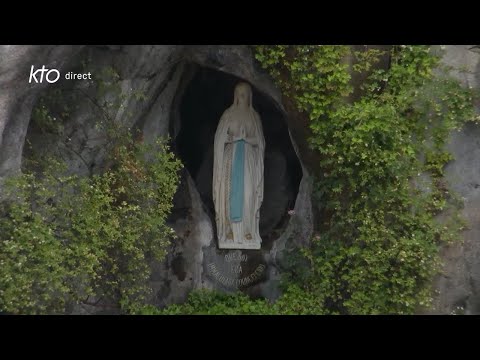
(51, 75)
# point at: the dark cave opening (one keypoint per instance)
(206, 96)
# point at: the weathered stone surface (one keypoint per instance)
(199, 262)
(458, 288)
(161, 74)
(17, 95)
(235, 60)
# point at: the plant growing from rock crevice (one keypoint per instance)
(66, 239)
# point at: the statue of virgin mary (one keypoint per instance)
(238, 173)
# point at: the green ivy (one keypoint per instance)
(380, 186)
(380, 190)
(376, 250)
(69, 239)
(65, 238)
(206, 302)
(295, 301)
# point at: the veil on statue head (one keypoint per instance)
(235, 94)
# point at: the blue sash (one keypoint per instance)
(237, 178)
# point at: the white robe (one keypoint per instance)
(244, 234)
